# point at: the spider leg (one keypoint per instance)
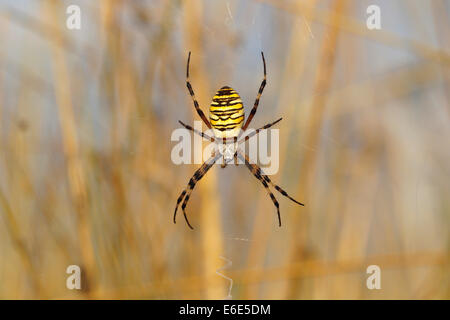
(203, 135)
(191, 92)
(267, 126)
(178, 203)
(195, 178)
(224, 164)
(284, 193)
(257, 172)
(261, 88)
(226, 161)
(277, 187)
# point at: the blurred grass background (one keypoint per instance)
(86, 177)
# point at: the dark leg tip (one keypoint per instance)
(187, 221)
(189, 225)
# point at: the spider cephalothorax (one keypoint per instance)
(226, 119)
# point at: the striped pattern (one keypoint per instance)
(260, 91)
(226, 113)
(192, 182)
(201, 134)
(265, 180)
(227, 120)
(191, 92)
(267, 126)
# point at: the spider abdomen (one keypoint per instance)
(226, 113)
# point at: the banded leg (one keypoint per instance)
(261, 88)
(277, 187)
(267, 126)
(203, 135)
(258, 173)
(187, 192)
(191, 92)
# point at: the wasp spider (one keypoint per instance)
(226, 119)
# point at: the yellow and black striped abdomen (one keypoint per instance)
(226, 113)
